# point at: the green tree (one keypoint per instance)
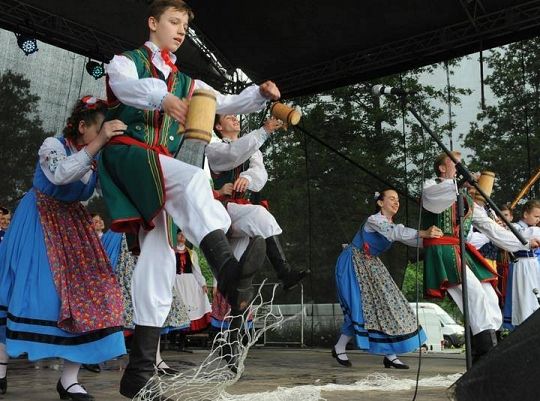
(319, 198)
(506, 137)
(22, 134)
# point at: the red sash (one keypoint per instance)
(127, 140)
(454, 241)
(240, 201)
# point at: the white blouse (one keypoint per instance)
(61, 169)
(391, 231)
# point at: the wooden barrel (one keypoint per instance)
(485, 182)
(285, 113)
(200, 116)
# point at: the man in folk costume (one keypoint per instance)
(441, 264)
(146, 190)
(238, 172)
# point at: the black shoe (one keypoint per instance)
(342, 362)
(142, 358)
(234, 277)
(66, 395)
(3, 381)
(289, 277)
(391, 364)
(91, 367)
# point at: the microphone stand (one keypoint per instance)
(465, 176)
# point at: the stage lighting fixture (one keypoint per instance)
(95, 69)
(27, 44)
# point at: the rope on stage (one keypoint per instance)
(225, 363)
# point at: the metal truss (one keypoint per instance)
(215, 59)
(479, 29)
(18, 16)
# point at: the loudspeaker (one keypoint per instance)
(510, 371)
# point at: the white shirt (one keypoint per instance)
(500, 237)
(477, 239)
(437, 197)
(148, 93)
(61, 169)
(391, 231)
(226, 155)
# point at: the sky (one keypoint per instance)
(466, 74)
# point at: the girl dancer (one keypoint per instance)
(376, 313)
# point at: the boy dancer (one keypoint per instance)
(441, 268)
(237, 168)
(146, 189)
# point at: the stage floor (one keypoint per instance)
(266, 370)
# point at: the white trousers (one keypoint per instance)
(248, 221)
(484, 311)
(525, 278)
(190, 203)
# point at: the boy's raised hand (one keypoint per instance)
(272, 125)
(175, 107)
(269, 90)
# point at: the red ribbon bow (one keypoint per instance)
(165, 55)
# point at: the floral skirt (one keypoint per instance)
(40, 311)
(375, 311)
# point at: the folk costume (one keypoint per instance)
(147, 190)
(229, 160)
(189, 288)
(376, 313)
(521, 301)
(58, 294)
(441, 268)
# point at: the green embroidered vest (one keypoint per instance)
(130, 175)
(441, 261)
(151, 126)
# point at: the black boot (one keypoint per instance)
(142, 358)
(234, 277)
(289, 277)
(482, 343)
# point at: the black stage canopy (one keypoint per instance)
(306, 46)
